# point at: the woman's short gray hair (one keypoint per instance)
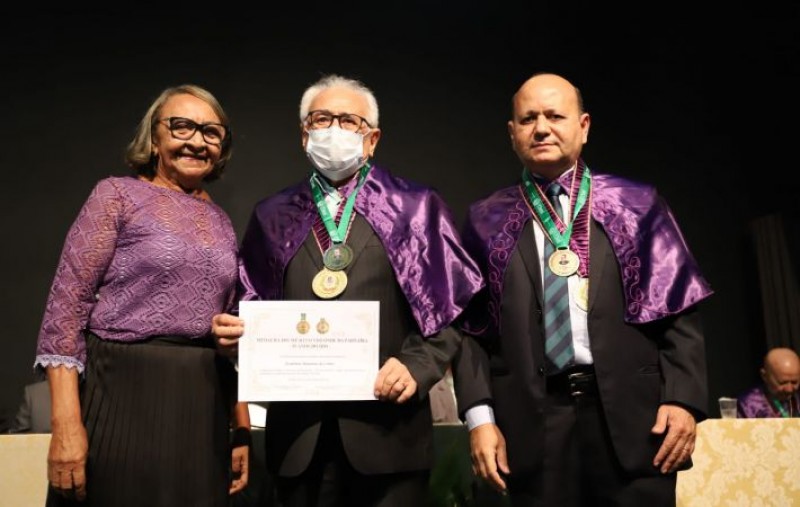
(139, 154)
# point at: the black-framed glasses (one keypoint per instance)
(184, 129)
(322, 119)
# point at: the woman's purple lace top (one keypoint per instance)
(139, 261)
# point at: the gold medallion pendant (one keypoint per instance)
(328, 284)
(563, 262)
(582, 299)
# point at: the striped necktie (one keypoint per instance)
(557, 329)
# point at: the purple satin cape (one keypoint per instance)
(413, 223)
(754, 403)
(660, 276)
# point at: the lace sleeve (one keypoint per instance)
(87, 253)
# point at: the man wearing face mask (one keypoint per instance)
(352, 231)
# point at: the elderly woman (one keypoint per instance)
(141, 403)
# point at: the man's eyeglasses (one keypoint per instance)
(184, 129)
(322, 119)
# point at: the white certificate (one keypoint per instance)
(308, 350)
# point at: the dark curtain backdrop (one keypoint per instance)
(780, 298)
(701, 108)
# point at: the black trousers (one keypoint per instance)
(579, 466)
(330, 481)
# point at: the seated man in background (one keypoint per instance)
(33, 415)
(777, 395)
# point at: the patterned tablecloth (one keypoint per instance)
(743, 463)
(23, 470)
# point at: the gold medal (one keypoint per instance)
(582, 299)
(563, 262)
(328, 284)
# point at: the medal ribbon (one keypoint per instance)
(337, 233)
(780, 406)
(544, 213)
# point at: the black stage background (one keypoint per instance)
(703, 108)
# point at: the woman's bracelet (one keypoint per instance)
(241, 436)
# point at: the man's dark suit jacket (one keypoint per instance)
(638, 367)
(378, 437)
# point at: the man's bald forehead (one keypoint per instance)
(781, 355)
(548, 79)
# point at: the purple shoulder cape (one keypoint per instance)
(414, 225)
(660, 276)
(754, 403)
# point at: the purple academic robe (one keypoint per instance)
(436, 275)
(660, 276)
(754, 403)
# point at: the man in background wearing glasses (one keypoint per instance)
(351, 231)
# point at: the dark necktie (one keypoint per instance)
(557, 330)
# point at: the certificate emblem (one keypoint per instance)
(563, 262)
(337, 257)
(303, 326)
(328, 284)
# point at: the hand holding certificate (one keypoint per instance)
(308, 350)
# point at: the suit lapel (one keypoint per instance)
(311, 248)
(360, 232)
(530, 258)
(599, 250)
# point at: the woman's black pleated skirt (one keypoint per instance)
(157, 416)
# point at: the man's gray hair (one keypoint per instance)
(336, 81)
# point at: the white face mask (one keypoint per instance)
(335, 152)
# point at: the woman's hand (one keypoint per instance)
(69, 445)
(240, 466)
(227, 329)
